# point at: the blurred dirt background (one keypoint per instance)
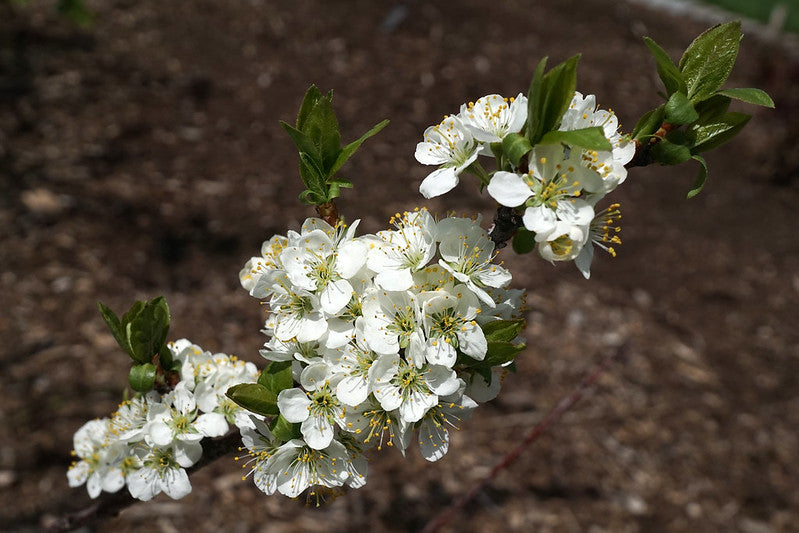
(142, 156)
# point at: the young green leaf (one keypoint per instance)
(313, 176)
(515, 147)
(254, 397)
(679, 110)
(523, 241)
(312, 96)
(276, 376)
(750, 96)
(321, 126)
(284, 430)
(533, 128)
(670, 152)
(147, 331)
(649, 123)
(334, 187)
(559, 85)
(704, 137)
(502, 330)
(348, 150)
(114, 325)
(303, 142)
(592, 138)
(142, 377)
(708, 61)
(700, 179)
(669, 74)
(712, 109)
(501, 352)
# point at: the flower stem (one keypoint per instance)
(328, 212)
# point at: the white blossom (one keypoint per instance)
(451, 145)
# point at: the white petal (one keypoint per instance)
(78, 474)
(143, 484)
(584, 259)
(472, 341)
(352, 390)
(94, 485)
(395, 280)
(439, 182)
(350, 258)
(293, 405)
(211, 424)
(442, 380)
(317, 431)
(187, 453)
(336, 296)
(160, 434)
(439, 352)
(416, 405)
(175, 483)
(540, 220)
(312, 327)
(113, 480)
(433, 441)
(509, 189)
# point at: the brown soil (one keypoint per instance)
(143, 157)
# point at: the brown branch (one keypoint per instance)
(551, 418)
(328, 212)
(109, 505)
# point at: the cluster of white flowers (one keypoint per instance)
(151, 439)
(558, 190)
(384, 333)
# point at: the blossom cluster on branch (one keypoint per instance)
(382, 340)
(152, 438)
(387, 335)
(557, 184)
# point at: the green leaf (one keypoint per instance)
(321, 126)
(559, 85)
(679, 110)
(348, 150)
(501, 352)
(700, 179)
(254, 397)
(276, 377)
(750, 96)
(132, 313)
(147, 331)
(649, 123)
(535, 101)
(114, 325)
(669, 74)
(284, 430)
(142, 377)
(515, 147)
(712, 109)
(312, 95)
(523, 241)
(589, 138)
(672, 150)
(303, 142)
(334, 187)
(312, 175)
(713, 134)
(502, 330)
(708, 61)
